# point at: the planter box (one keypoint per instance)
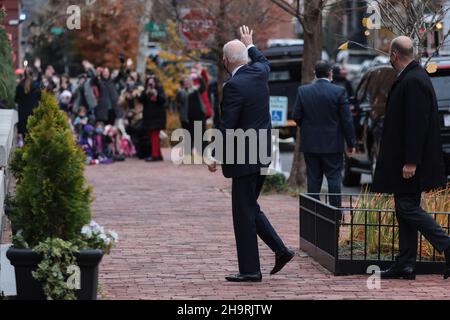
(25, 261)
(348, 240)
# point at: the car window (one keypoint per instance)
(282, 75)
(358, 59)
(380, 85)
(285, 73)
(362, 88)
(442, 87)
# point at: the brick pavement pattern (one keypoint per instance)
(177, 242)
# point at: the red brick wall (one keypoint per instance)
(12, 12)
(279, 26)
(283, 26)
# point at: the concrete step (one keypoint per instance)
(8, 121)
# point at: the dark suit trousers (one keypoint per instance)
(249, 221)
(411, 219)
(330, 165)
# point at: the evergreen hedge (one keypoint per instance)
(52, 199)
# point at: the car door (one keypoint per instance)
(361, 114)
(381, 84)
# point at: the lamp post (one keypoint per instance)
(437, 38)
(17, 23)
(58, 31)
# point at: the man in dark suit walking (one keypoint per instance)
(410, 160)
(322, 112)
(245, 106)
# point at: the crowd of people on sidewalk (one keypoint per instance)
(116, 114)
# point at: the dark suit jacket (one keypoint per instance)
(323, 114)
(411, 135)
(245, 105)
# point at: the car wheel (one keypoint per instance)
(350, 179)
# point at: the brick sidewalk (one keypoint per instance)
(177, 241)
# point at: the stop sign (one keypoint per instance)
(196, 27)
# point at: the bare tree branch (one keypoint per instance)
(412, 18)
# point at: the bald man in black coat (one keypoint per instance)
(411, 160)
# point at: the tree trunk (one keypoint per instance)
(222, 75)
(312, 25)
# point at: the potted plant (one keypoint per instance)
(56, 248)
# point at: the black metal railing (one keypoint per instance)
(350, 238)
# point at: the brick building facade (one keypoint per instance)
(12, 13)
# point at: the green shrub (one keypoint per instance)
(275, 183)
(52, 199)
(7, 75)
(54, 271)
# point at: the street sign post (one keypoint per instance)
(196, 27)
(278, 111)
(57, 31)
(157, 31)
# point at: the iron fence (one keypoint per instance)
(349, 239)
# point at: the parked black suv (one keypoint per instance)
(368, 109)
(285, 78)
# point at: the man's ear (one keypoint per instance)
(225, 63)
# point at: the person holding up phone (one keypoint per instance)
(154, 115)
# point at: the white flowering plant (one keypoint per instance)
(95, 236)
(58, 254)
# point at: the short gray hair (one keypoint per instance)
(235, 51)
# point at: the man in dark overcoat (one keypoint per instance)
(411, 160)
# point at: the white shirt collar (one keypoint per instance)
(236, 70)
(324, 79)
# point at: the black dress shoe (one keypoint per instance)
(406, 273)
(281, 259)
(447, 273)
(158, 159)
(248, 277)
